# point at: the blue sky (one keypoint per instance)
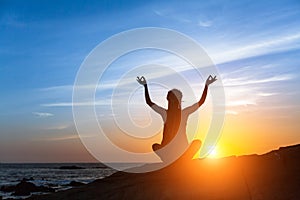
(255, 45)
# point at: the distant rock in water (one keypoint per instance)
(101, 167)
(71, 167)
(25, 188)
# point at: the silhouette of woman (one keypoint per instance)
(175, 118)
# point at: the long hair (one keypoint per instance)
(173, 115)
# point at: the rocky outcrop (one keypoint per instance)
(275, 175)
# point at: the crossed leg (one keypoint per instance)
(187, 155)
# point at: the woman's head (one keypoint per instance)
(174, 96)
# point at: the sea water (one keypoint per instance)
(50, 174)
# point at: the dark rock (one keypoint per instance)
(28, 179)
(75, 184)
(71, 167)
(8, 188)
(100, 166)
(25, 188)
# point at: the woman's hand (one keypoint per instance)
(141, 80)
(210, 80)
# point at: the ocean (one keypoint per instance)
(50, 174)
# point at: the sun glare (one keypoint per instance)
(213, 152)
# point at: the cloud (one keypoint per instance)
(231, 112)
(244, 92)
(61, 138)
(256, 48)
(159, 13)
(102, 102)
(42, 114)
(59, 127)
(265, 94)
(107, 85)
(246, 81)
(205, 23)
(68, 104)
(55, 88)
(70, 137)
(171, 14)
(240, 103)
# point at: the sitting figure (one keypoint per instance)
(175, 120)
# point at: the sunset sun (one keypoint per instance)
(213, 152)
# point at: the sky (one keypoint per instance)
(254, 45)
